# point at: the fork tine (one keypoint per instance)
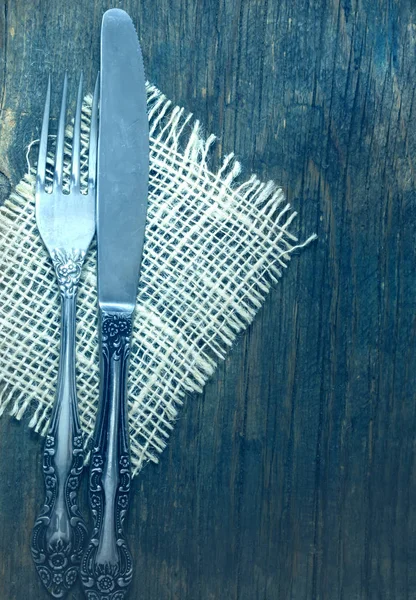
(92, 158)
(60, 138)
(76, 142)
(43, 143)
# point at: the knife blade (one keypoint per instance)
(122, 183)
(123, 163)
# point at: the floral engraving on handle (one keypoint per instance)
(116, 332)
(109, 579)
(68, 267)
(57, 561)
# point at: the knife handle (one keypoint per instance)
(59, 533)
(107, 567)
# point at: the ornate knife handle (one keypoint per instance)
(59, 532)
(106, 567)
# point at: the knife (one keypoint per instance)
(122, 187)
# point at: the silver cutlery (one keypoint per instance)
(122, 182)
(66, 223)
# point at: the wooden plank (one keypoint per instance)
(293, 477)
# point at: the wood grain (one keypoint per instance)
(293, 476)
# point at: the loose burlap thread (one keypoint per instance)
(213, 249)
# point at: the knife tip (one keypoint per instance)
(115, 12)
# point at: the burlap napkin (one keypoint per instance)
(213, 249)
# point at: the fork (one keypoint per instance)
(66, 223)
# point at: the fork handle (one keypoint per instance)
(59, 533)
(106, 568)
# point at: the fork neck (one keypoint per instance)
(67, 350)
(68, 271)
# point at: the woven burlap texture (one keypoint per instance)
(213, 249)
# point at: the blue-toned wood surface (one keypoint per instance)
(293, 476)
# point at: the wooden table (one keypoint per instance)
(293, 476)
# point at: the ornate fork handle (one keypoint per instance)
(59, 533)
(106, 568)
